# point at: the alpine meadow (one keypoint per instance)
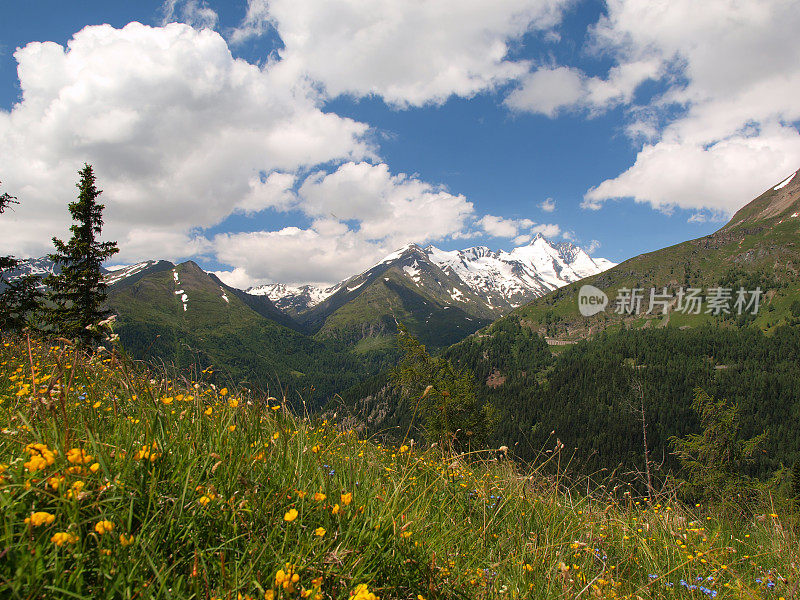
(336, 300)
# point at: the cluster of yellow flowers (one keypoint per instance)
(103, 527)
(287, 578)
(148, 453)
(40, 518)
(78, 457)
(63, 537)
(361, 592)
(40, 457)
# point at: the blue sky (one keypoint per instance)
(300, 140)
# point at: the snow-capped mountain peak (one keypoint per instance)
(509, 279)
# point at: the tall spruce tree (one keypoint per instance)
(20, 298)
(78, 291)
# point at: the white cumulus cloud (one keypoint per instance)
(551, 90)
(180, 133)
(521, 230)
(360, 212)
(548, 205)
(408, 53)
(721, 177)
(192, 12)
(734, 80)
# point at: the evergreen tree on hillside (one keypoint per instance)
(444, 396)
(20, 299)
(714, 460)
(78, 292)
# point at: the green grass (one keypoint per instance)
(382, 343)
(213, 493)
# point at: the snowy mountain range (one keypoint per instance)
(294, 300)
(501, 280)
(440, 296)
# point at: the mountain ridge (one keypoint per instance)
(759, 246)
(503, 280)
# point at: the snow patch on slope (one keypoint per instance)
(120, 272)
(355, 287)
(785, 182)
(396, 254)
(456, 295)
(412, 271)
(184, 297)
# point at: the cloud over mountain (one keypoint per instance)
(180, 133)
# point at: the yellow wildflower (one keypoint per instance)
(78, 457)
(361, 592)
(40, 457)
(75, 489)
(287, 579)
(40, 518)
(347, 498)
(125, 540)
(291, 515)
(103, 527)
(62, 537)
(319, 531)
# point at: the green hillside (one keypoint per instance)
(760, 246)
(586, 392)
(218, 329)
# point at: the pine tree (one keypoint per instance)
(78, 291)
(714, 460)
(20, 298)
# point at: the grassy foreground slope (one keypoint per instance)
(118, 484)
